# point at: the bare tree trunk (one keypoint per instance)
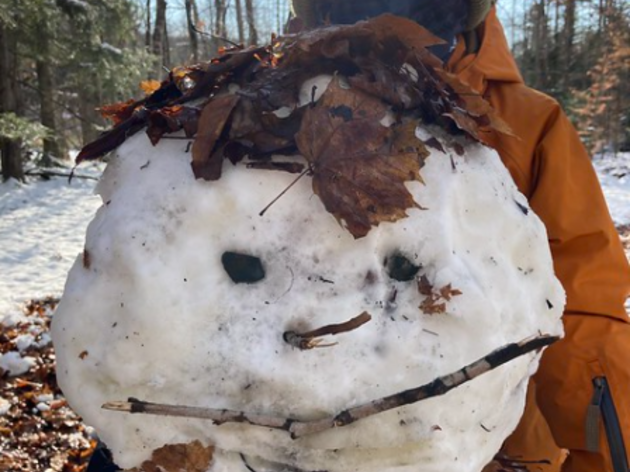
(46, 89)
(160, 36)
(540, 38)
(147, 34)
(239, 22)
(11, 150)
(220, 7)
(568, 38)
(251, 22)
(192, 33)
(88, 102)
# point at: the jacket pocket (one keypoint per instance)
(601, 407)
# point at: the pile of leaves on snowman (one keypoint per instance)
(309, 261)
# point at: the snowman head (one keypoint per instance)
(191, 297)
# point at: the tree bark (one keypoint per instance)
(239, 22)
(251, 22)
(160, 36)
(540, 38)
(11, 150)
(46, 90)
(147, 34)
(220, 9)
(568, 38)
(192, 33)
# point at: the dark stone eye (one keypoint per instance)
(400, 267)
(243, 269)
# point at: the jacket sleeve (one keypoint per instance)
(588, 257)
(590, 262)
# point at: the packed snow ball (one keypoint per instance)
(185, 295)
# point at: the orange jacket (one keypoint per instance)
(551, 167)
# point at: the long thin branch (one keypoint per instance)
(297, 428)
(54, 173)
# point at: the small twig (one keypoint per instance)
(297, 428)
(309, 339)
(264, 210)
(54, 173)
(215, 36)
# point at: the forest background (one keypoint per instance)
(62, 59)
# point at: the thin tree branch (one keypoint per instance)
(55, 173)
(62, 105)
(297, 428)
(216, 36)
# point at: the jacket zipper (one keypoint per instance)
(602, 406)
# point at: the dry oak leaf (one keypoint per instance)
(207, 164)
(358, 171)
(191, 457)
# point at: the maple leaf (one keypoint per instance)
(191, 457)
(358, 171)
(435, 300)
(206, 162)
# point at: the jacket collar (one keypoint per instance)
(493, 61)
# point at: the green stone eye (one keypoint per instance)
(243, 268)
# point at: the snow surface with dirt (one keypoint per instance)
(150, 312)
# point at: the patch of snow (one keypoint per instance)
(42, 232)
(113, 49)
(24, 341)
(45, 398)
(156, 303)
(44, 340)
(43, 407)
(614, 176)
(13, 363)
(313, 89)
(5, 406)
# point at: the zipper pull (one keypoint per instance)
(593, 416)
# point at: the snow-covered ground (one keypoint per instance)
(614, 175)
(42, 227)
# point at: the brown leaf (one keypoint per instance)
(172, 119)
(357, 172)
(435, 300)
(118, 112)
(385, 32)
(191, 457)
(434, 143)
(290, 167)
(206, 163)
(87, 259)
(474, 112)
